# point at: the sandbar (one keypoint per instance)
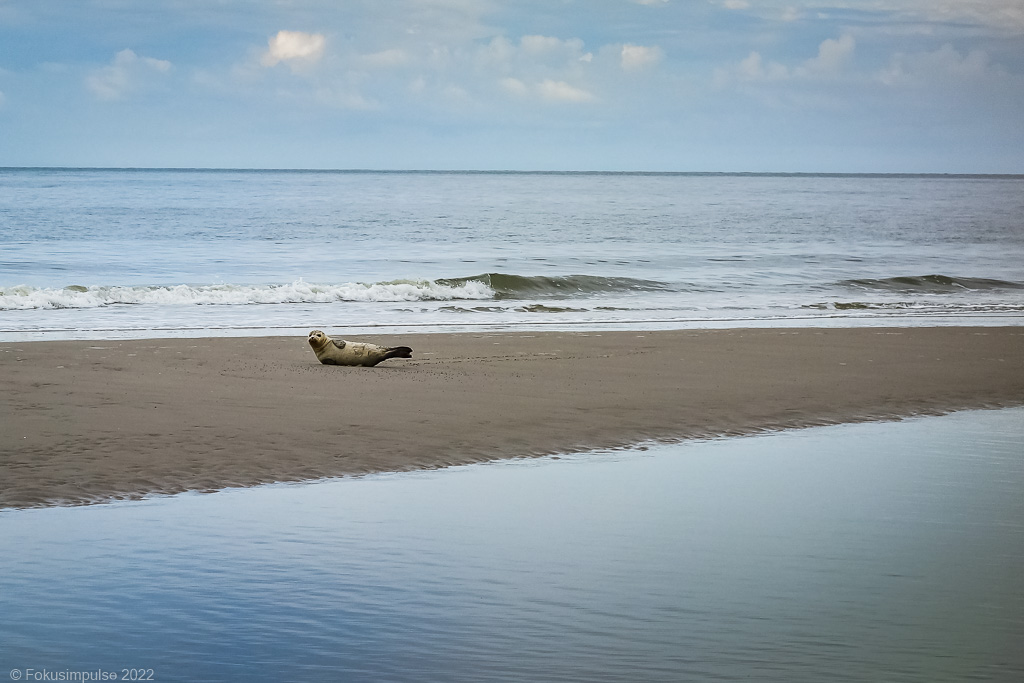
(93, 421)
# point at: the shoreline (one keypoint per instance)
(94, 421)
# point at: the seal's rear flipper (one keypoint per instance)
(399, 352)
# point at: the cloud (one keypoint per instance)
(735, 4)
(833, 56)
(294, 48)
(413, 69)
(1002, 15)
(2, 99)
(540, 67)
(548, 90)
(753, 68)
(940, 66)
(540, 44)
(532, 53)
(1005, 15)
(650, 3)
(549, 48)
(560, 91)
(639, 56)
(538, 58)
(126, 73)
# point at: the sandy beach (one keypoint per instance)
(88, 421)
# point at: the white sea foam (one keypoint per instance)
(24, 297)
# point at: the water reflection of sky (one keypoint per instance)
(863, 552)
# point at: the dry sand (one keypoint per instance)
(90, 421)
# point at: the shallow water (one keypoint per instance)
(887, 551)
(100, 254)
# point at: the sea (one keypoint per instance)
(130, 253)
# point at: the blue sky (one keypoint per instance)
(660, 85)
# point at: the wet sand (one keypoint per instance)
(84, 422)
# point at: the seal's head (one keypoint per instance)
(318, 340)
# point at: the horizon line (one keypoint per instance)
(469, 171)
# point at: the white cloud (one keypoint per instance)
(548, 49)
(940, 66)
(411, 59)
(294, 48)
(735, 4)
(540, 44)
(439, 72)
(639, 56)
(753, 68)
(651, 2)
(548, 90)
(833, 56)
(1003, 15)
(536, 65)
(1007, 15)
(2, 99)
(560, 91)
(127, 72)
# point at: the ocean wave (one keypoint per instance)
(24, 297)
(541, 308)
(931, 284)
(528, 308)
(488, 286)
(916, 306)
(473, 309)
(507, 286)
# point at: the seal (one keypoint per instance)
(340, 352)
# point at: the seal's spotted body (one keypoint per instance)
(340, 352)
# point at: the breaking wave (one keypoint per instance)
(507, 286)
(25, 297)
(486, 287)
(931, 284)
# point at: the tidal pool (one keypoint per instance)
(868, 552)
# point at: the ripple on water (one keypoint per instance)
(857, 552)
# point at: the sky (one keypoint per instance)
(888, 86)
